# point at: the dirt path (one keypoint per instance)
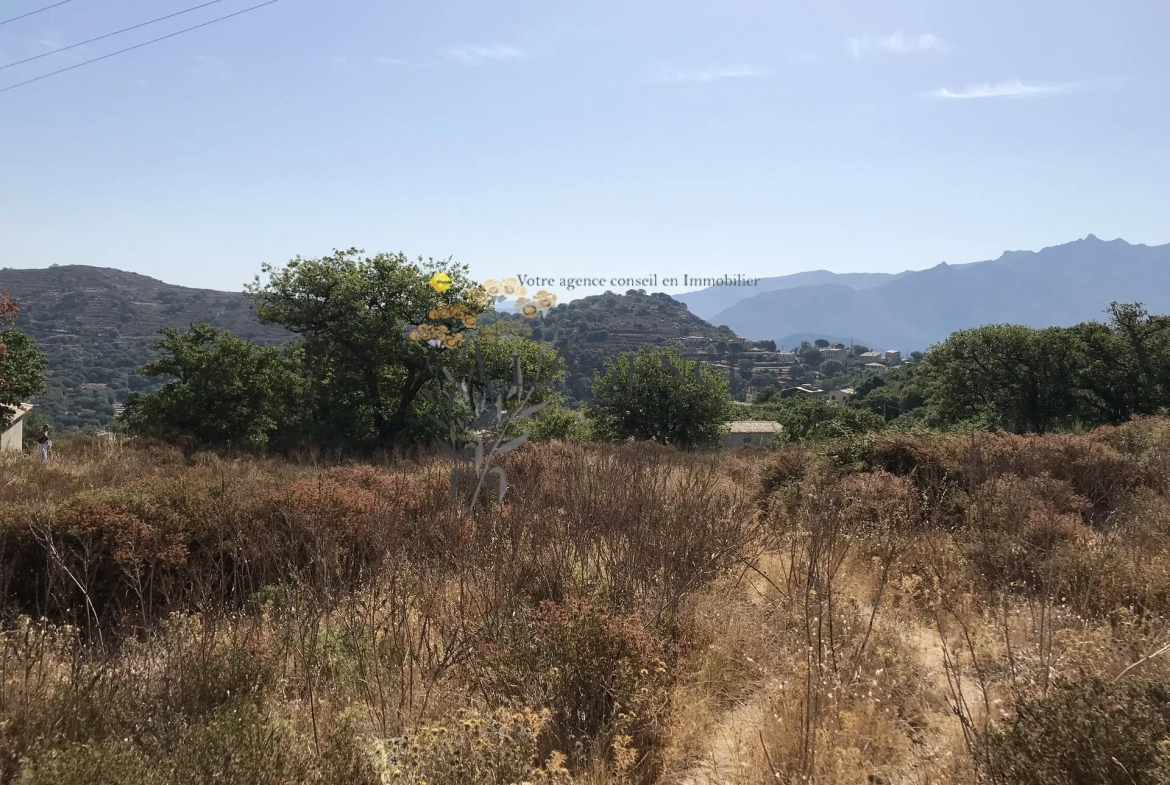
(731, 742)
(735, 739)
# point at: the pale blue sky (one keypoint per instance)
(595, 138)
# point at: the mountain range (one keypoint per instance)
(98, 325)
(1058, 286)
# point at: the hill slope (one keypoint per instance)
(709, 303)
(98, 325)
(1060, 286)
(595, 329)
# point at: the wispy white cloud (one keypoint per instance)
(392, 61)
(895, 44)
(1012, 89)
(672, 74)
(477, 55)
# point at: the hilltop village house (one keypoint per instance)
(744, 433)
(12, 437)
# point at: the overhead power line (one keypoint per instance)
(136, 46)
(109, 35)
(30, 13)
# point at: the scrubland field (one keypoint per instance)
(968, 608)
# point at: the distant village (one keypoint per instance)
(822, 372)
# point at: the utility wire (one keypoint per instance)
(30, 13)
(109, 35)
(136, 46)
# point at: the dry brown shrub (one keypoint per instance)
(1146, 439)
(1095, 470)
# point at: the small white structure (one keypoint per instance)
(744, 433)
(842, 395)
(12, 438)
(876, 366)
(893, 357)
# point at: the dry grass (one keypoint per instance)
(886, 609)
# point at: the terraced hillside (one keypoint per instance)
(98, 326)
(595, 329)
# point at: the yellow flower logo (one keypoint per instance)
(492, 288)
(528, 310)
(440, 282)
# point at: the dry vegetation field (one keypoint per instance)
(896, 610)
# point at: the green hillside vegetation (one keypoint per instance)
(99, 329)
(593, 330)
(98, 326)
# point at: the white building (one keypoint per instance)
(744, 433)
(840, 396)
(893, 357)
(12, 437)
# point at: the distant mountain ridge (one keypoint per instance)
(708, 303)
(1057, 286)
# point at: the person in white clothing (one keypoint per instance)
(44, 444)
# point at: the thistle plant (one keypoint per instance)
(477, 413)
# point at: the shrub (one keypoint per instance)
(1085, 733)
(471, 748)
(601, 675)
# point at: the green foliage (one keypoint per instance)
(832, 367)
(557, 422)
(593, 330)
(806, 418)
(1011, 376)
(766, 394)
(22, 363)
(1026, 380)
(22, 370)
(496, 349)
(98, 326)
(657, 394)
(1122, 369)
(892, 394)
(1086, 733)
(225, 390)
(354, 314)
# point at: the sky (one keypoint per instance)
(599, 138)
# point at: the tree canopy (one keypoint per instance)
(657, 394)
(1023, 379)
(225, 390)
(22, 363)
(354, 314)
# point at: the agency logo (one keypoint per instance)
(440, 282)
